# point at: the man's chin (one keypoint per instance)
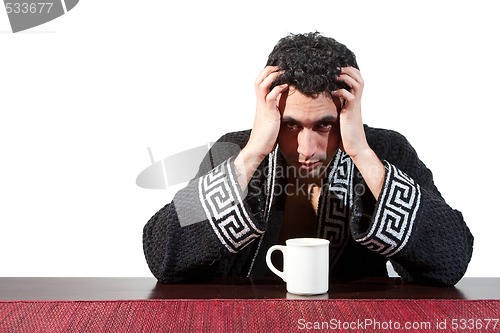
(314, 170)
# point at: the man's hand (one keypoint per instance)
(266, 125)
(267, 120)
(353, 138)
(351, 123)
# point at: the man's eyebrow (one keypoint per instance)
(289, 120)
(322, 120)
(328, 119)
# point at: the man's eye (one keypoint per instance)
(293, 127)
(324, 127)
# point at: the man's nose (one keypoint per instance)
(306, 144)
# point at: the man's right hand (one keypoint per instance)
(266, 124)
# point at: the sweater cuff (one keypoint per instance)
(218, 198)
(394, 215)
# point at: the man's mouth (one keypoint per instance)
(309, 165)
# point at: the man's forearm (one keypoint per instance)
(372, 170)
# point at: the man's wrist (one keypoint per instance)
(246, 163)
(372, 170)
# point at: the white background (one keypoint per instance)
(83, 96)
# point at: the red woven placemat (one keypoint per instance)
(276, 315)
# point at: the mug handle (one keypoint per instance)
(269, 263)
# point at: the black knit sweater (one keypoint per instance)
(212, 229)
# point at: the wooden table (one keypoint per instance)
(244, 305)
(123, 288)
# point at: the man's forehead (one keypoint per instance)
(295, 105)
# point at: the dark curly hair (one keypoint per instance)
(311, 62)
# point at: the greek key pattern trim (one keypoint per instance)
(395, 214)
(223, 205)
(270, 181)
(336, 206)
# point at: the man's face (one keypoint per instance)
(309, 134)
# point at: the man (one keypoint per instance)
(310, 168)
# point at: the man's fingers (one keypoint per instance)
(352, 77)
(262, 89)
(265, 73)
(266, 83)
(352, 83)
(352, 72)
(273, 95)
(347, 96)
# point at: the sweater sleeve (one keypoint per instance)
(426, 240)
(208, 221)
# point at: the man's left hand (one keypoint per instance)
(353, 137)
(351, 123)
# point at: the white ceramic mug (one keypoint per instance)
(305, 265)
